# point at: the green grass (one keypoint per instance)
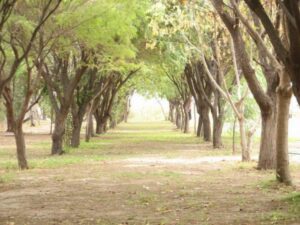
(293, 199)
(293, 214)
(128, 140)
(7, 177)
(59, 161)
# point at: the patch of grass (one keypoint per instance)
(60, 161)
(169, 174)
(275, 217)
(245, 165)
(8, 165)
(291, 216)
(293, 199)
(272, 185)
(7, 177)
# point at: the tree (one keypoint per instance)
(44, 11)
(265, 100)
(20, 37)
(287, 51)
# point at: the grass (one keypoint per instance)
(154, 194)
(291, 215)
(7, 177)
(128, 140)
(293, 199)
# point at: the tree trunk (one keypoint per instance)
(250, 134)
(284, 94)
(21, 147)
(58, 133)
(267, 153)
(206, 124)
(199, 127)
(32, 123)
(100, 127)
(171, 112)
(77, 123)
(233, 137)
(245, 152)
(9, 118)
(186, 127)
(113, 124)
(217, 133)
(178, 117)
(89, 126)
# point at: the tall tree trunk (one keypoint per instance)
(284, 94)
(77, 124)
(267, 153)
(21, 147)
(58, 133)
(206, 124)
(217, 132)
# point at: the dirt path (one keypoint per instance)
(147, 186)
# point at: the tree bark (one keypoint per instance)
(267, 153)
(89, 123)
(9, 117)
(233, 137)
(186, 111)
(186, 127)
(178, 117)
(21, 147)
(171, 112)
(217, 132)
(245, 152)
(284, 94)
(77, 124)
(100, 127)
(58, 133)
(199, 127)
(206, 124)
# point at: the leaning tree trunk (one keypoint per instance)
(58, 133)
(284, 94)
(20, 143)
